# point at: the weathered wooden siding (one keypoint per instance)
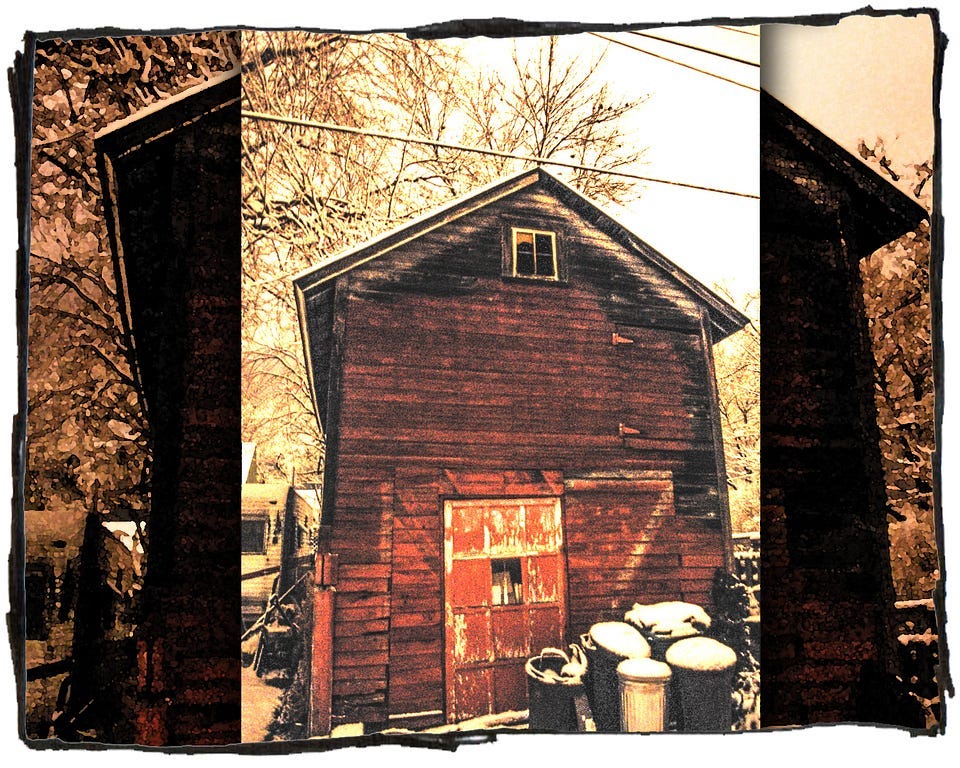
(626, 544)
(448, 366)
(319, 314)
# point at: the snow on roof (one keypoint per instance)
(669, 619)
(702, 654)
(160, 104)
(310, 495)
(256, 497)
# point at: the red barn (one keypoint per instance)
(520, 409)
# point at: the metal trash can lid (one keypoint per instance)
(701, 654)
(620, 639)
(643, 671)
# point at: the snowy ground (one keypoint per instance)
(259, 701)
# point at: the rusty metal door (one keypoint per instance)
(505, 590)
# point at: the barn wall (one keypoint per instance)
(626, 544)
(824, 534)
(177, 219)
(448, 366)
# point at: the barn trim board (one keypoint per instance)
(444, 383)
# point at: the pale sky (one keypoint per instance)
(698, 129)
(862, 78)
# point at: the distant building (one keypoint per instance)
(278, 542)
(248, 457)
(83, 578)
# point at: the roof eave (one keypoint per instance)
(901, 213)
(726, 318)
(312, 277)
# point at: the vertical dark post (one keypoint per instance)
(706, 339)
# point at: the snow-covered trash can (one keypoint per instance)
(607, 644)
(662, 624)
(704, 670)
(643, 695)
(554, 680)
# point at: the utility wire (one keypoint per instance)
(493, 152)
(673, 61)
(697, 48)
(741, 31)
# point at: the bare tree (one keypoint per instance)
(308, 194)
(86, 425)
(554, 106)
(896, 284)
(738, 384)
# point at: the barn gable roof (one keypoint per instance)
(725, 318)
(882, 212)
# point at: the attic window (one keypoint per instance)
(534, 254)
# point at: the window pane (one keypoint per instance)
(507, 581)
(524, 264)
(252, 536)
(544, 252)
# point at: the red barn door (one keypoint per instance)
(504, 599)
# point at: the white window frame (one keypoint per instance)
(514, 231)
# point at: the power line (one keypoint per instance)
(741, 31)
(673, 61)
(492, 152)
(697, 48)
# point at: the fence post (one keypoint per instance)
(321, 655)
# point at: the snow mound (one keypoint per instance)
(701, 654)
(670, 619)
(620, 639)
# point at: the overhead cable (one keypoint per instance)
(697, 48)
(738, 29)
(492, 152)
(673, 61)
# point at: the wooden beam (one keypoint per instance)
(706, 337)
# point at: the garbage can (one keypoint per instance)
(662, 624)
(643, 695)
(554, 680)
(278, 649)
(704, 671)
(607, 644)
